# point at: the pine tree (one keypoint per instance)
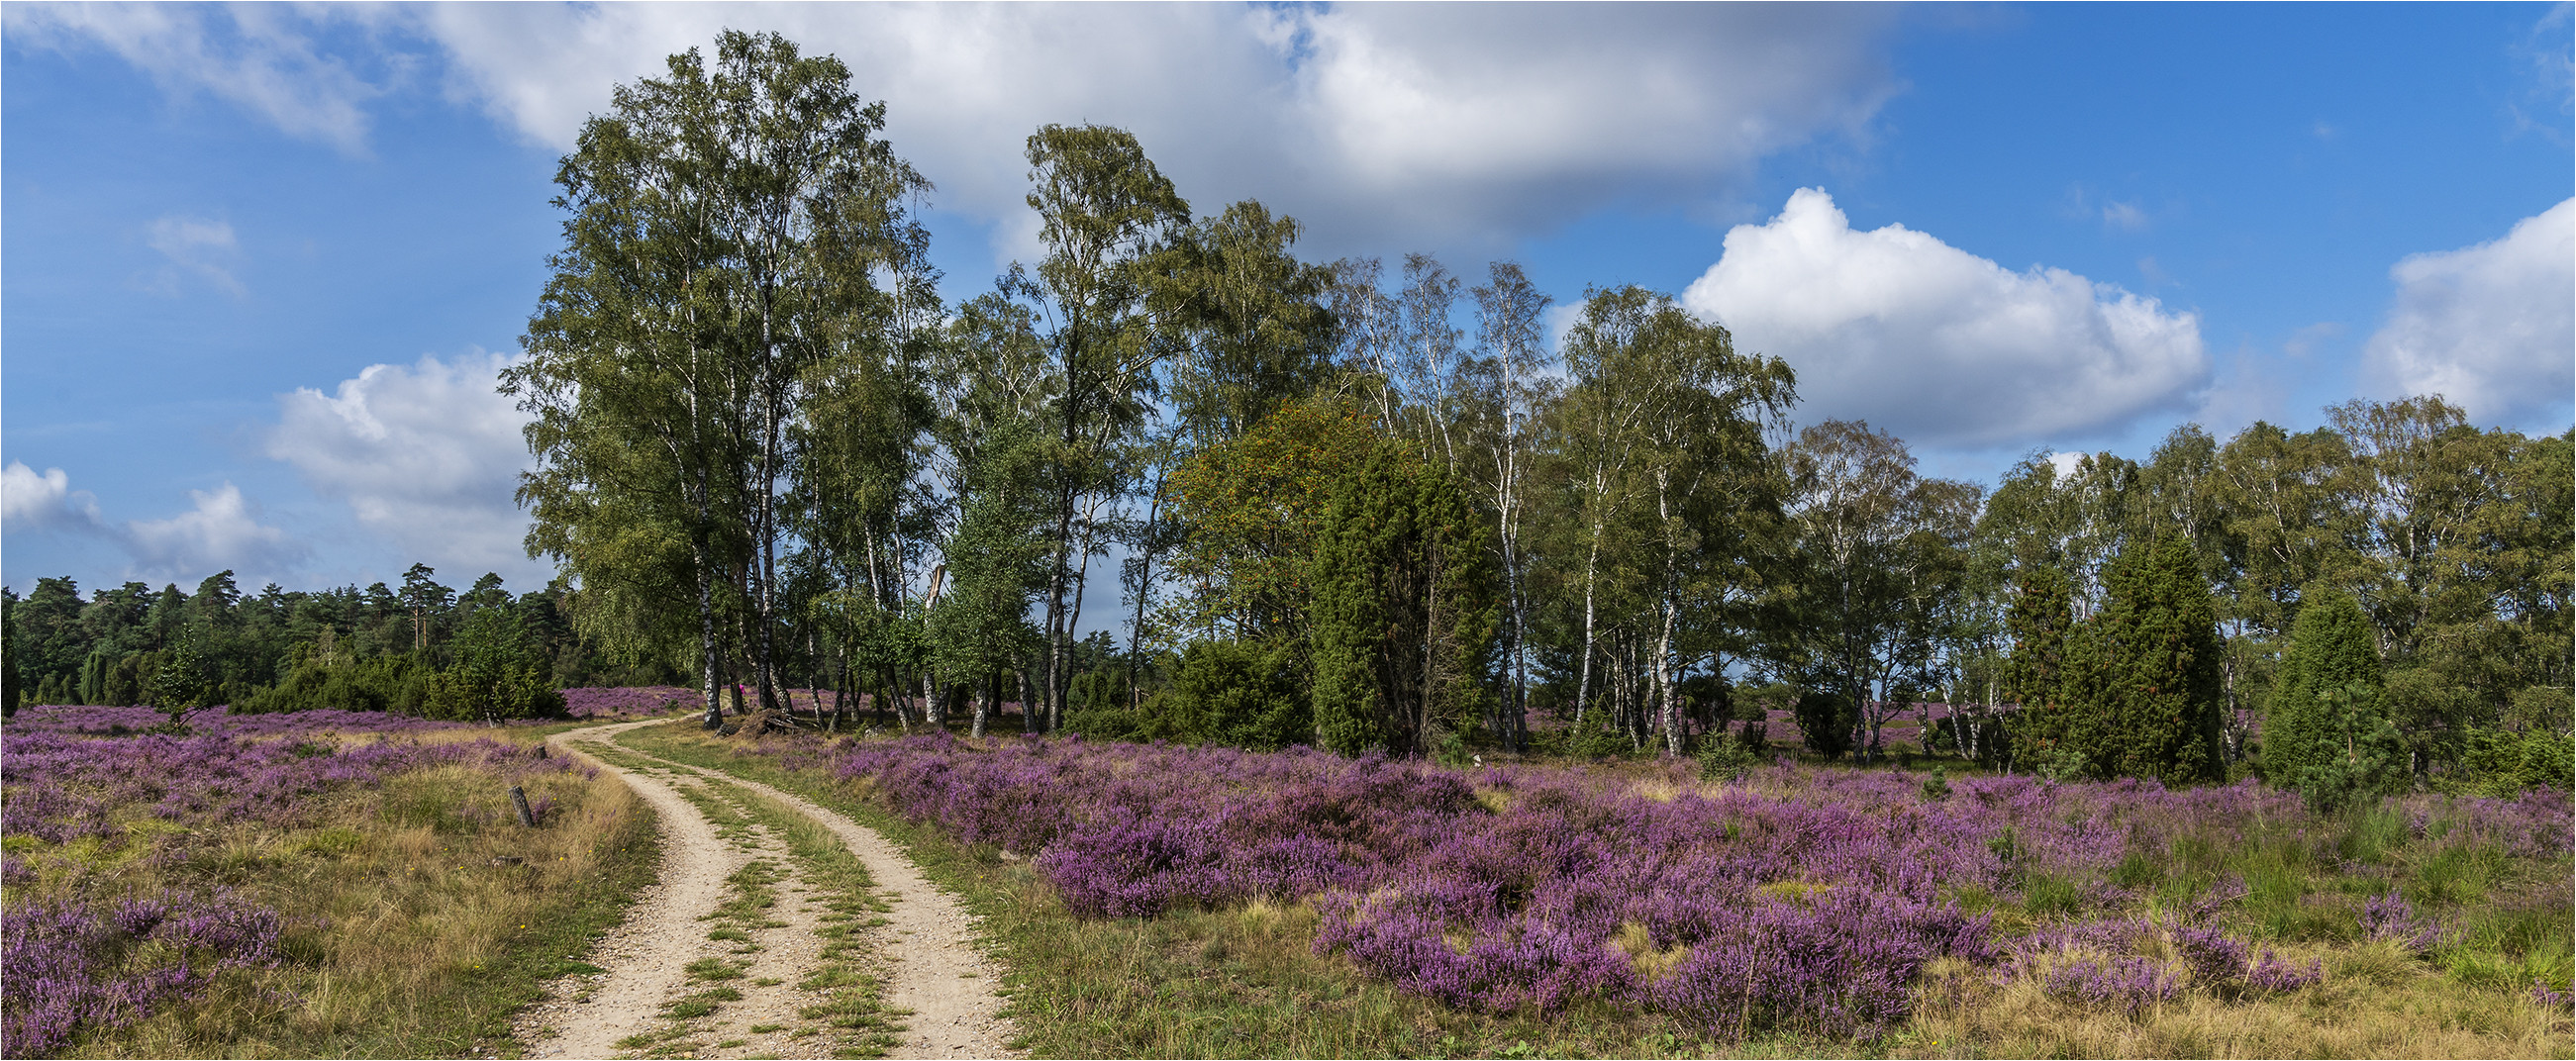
(2328, 733)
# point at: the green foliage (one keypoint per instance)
(500, 673)
(1726, 759)
(2141, 681)
(385, 683)
(179, 686)
(2502, 763)
(2327, 733)
(9, 687)
(2038, 622)
(1825, 721)
(1404, 610)
(1247, 695)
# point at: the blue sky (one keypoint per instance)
(257, 265)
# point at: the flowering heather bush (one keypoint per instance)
(1798, 899)
(120, 721)
(60, 786)
(2391, 918)
(71, 965)
(633, 700)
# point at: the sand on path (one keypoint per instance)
(933, 971)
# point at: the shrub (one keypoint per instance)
(1825, 720)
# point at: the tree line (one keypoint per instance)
(421, 649)
(1373, 507)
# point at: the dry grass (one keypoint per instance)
(2375, 1002)
(419, 915)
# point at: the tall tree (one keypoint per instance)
(729, 224)
(1512, 387)
(2034, 675)
(2326, 732)
(2143, 675)
(1106, 217)
(1879, 551)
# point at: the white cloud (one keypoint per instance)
(258, 57)
(1471, 116)
(29, 501)
(1939, 345)
(196, 245)
(221, 532)
(2124, 216)
(1420, 125)
(2491, 327)
(427, 455)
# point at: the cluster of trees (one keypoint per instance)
(1371, 508)
(1366, 509)
(423, 649)
(2398, 532)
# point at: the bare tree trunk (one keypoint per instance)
(707, 662)
(983, 707)
(1591, 571)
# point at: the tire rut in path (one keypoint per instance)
(646, 958)
(930, 963)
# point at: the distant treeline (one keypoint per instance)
(424, 649)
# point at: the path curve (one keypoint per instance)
(645, 958)
(931, 965)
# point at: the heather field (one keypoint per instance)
(1165, 900)
(321, 883)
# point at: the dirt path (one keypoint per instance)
(646, 958)
(934, 971)
(924, 951)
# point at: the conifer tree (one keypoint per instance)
(2328, 733)
(1404, 608)
(2034, 675)
(2142, 677)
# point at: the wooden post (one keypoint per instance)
(519, 800)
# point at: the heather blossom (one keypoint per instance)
(1797, 899)
(74, 773)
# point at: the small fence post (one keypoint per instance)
(519, 800)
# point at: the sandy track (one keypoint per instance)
(933, 966)
(645, 958)
(925, 951)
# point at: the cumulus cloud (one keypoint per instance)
(427, 455)
(222, 531)
(196, 246)
(2490, 327)
(1426, 124)
(29, 501)
(1433, 122)
(1939, 345)
(261, 58)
